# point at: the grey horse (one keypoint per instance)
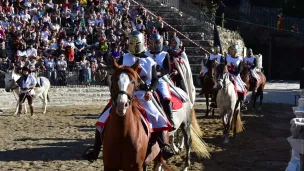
(11, 86)
(228, 104)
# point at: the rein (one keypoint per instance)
(224, 80)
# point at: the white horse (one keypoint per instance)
(11, 86)
(227, 102)
(185, 118)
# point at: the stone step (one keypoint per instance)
(195, 59)
(194, 51)
(202, 43)
(195, 68)
(185, 27)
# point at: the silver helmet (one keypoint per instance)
(136, 43)
(156, 42)
(249, 52)
(175, 43)
(233, 50)
(217, 49)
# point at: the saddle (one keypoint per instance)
(177, 103)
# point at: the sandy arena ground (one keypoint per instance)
(56, 141)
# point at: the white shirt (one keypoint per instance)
(31, 52)
(45, 35)
(54, 46)
(25, 17)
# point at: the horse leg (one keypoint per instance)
(145, 168)
(261, 99)
(253, 96)
(44, 101)
(234, 115)
(207, 104)
(173, 144)
(181, 142)
(157, 166)
(226, 128)
(187, 137)
(17, 107)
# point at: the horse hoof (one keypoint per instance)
(226, 141)
(260, 109)
(185, 169)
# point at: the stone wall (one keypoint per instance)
(66, 96)
(229, 37)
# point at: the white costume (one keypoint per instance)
(163, 86)
(233, 64)
(184, 69)
(249, 62)
(157, 121)
(204, 67)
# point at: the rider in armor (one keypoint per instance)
(250, 63)
(162, 60)
(215, 59)
(148, 83)
(27, 83)
(180, 68)
(234, 65)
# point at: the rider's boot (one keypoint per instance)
(19, 109)
(213, 104)
(166, 150)
(32, 110)
(95, 150)
(168, 110)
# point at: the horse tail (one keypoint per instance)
(48, 98)
(239, 123)
(195, 124)
(198, 144)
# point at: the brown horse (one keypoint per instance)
(257, 88)
(125, 141)
(208, 82)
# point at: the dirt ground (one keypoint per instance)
(56, 141)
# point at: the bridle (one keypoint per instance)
(114, 96)
(225, 77)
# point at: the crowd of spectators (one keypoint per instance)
(54, 40)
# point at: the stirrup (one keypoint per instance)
(243, 108)
(167, 151)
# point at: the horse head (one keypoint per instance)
(245, 75)
(124, 83)
(222, 76)
(10, 80)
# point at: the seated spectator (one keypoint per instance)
(115, 52)
(79, 48)
(66, 4)
(31, 51)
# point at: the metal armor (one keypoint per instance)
(156, 43)
(136, 43)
